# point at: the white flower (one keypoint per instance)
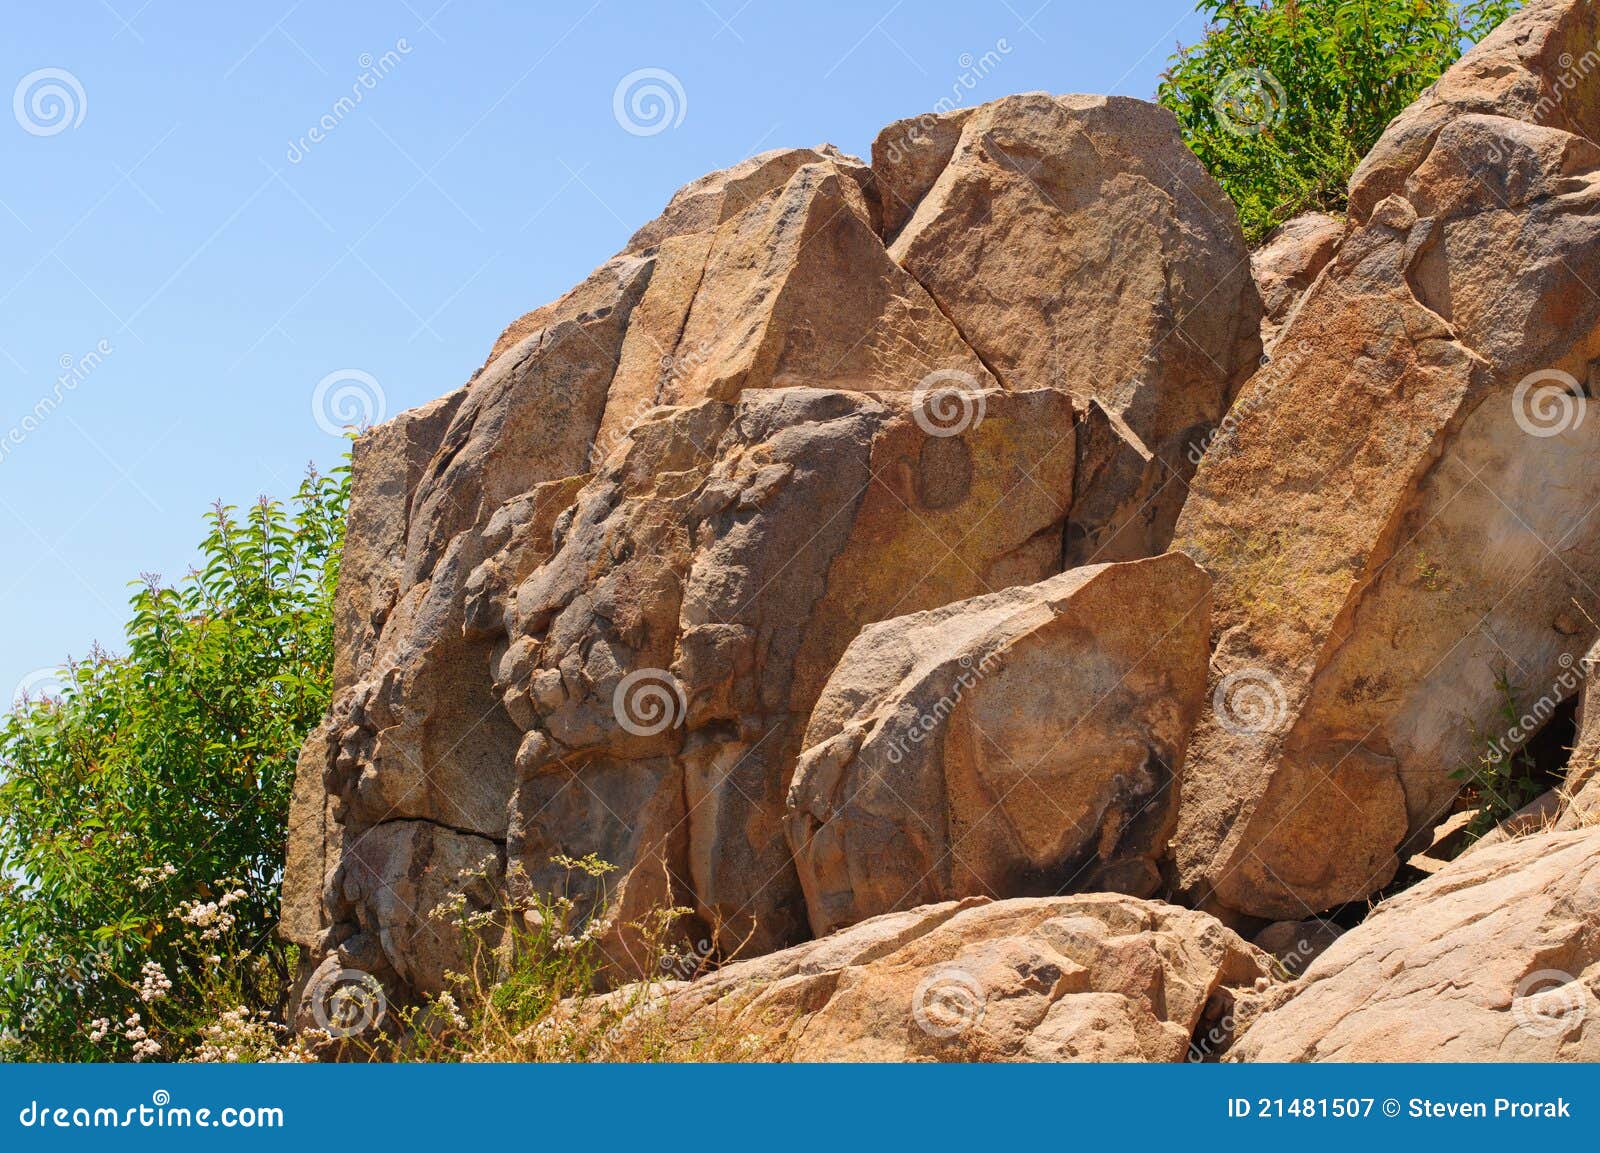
(446, 1004)
(155, 983)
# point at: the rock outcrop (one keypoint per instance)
(1076, 244)
(1494, 958)
(839, 548)
(1402, 515)
(664, 659)
(1025, 742)
(1098, 977)
(778, 416)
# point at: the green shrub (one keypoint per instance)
(143, 811)
(1282, 98)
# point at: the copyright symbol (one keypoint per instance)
(1391, 1108)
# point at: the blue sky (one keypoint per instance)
(175, 242)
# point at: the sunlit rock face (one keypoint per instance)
(1399, 511)
(590, 599)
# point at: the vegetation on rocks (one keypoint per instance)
(1282, 98)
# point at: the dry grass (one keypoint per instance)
(533, 988)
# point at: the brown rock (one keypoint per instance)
(666, 657)
(1023, 742)
(1496, 958)
(1099, 977)
(1579, 794)
(1077, 244)
(1398, 516)
(658, 483)
(796, 289)
(1295, 944)
(1288, 261)
(907, 158)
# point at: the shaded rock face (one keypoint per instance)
(1098, 977)
(687, 484)
(1494, 958)
(1403, 513)
(1024, 740)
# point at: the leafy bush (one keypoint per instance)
(1282, 98)
(143, 811)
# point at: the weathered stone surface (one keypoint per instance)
(907, 158)
(1405, 513)
(1077, 244)
(1098, 977)
(716, 569)
(1288, 261)
(797, 289)
(1495, 958)
(415, 733)
(705, 468)
(1024, 742)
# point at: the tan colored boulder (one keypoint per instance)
(1288, 261)
(665, 659)
(1077, 244)
(797, 289)
(1495, 958)
(1023, 742)
(907, 158)
(1402, 516)
(1098, 977)
(703, 205)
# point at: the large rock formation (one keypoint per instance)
(589, 600)
(1070, 243)
(1494, 958)
(1099, 977)
(810, 561)
(1025, 742)
(665, 657)
(1404, 514)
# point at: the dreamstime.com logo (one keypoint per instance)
(1248, 101)
(649, 701)
(948, 1002)
(1548, 403)
(348, 398)
(159, 1113)
(648, 101)
(1250, 701)
(947, 402)
(347, 1003)
(1548, 1003)
(48, 102)
(40, 685)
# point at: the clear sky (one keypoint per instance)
(177, 243)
